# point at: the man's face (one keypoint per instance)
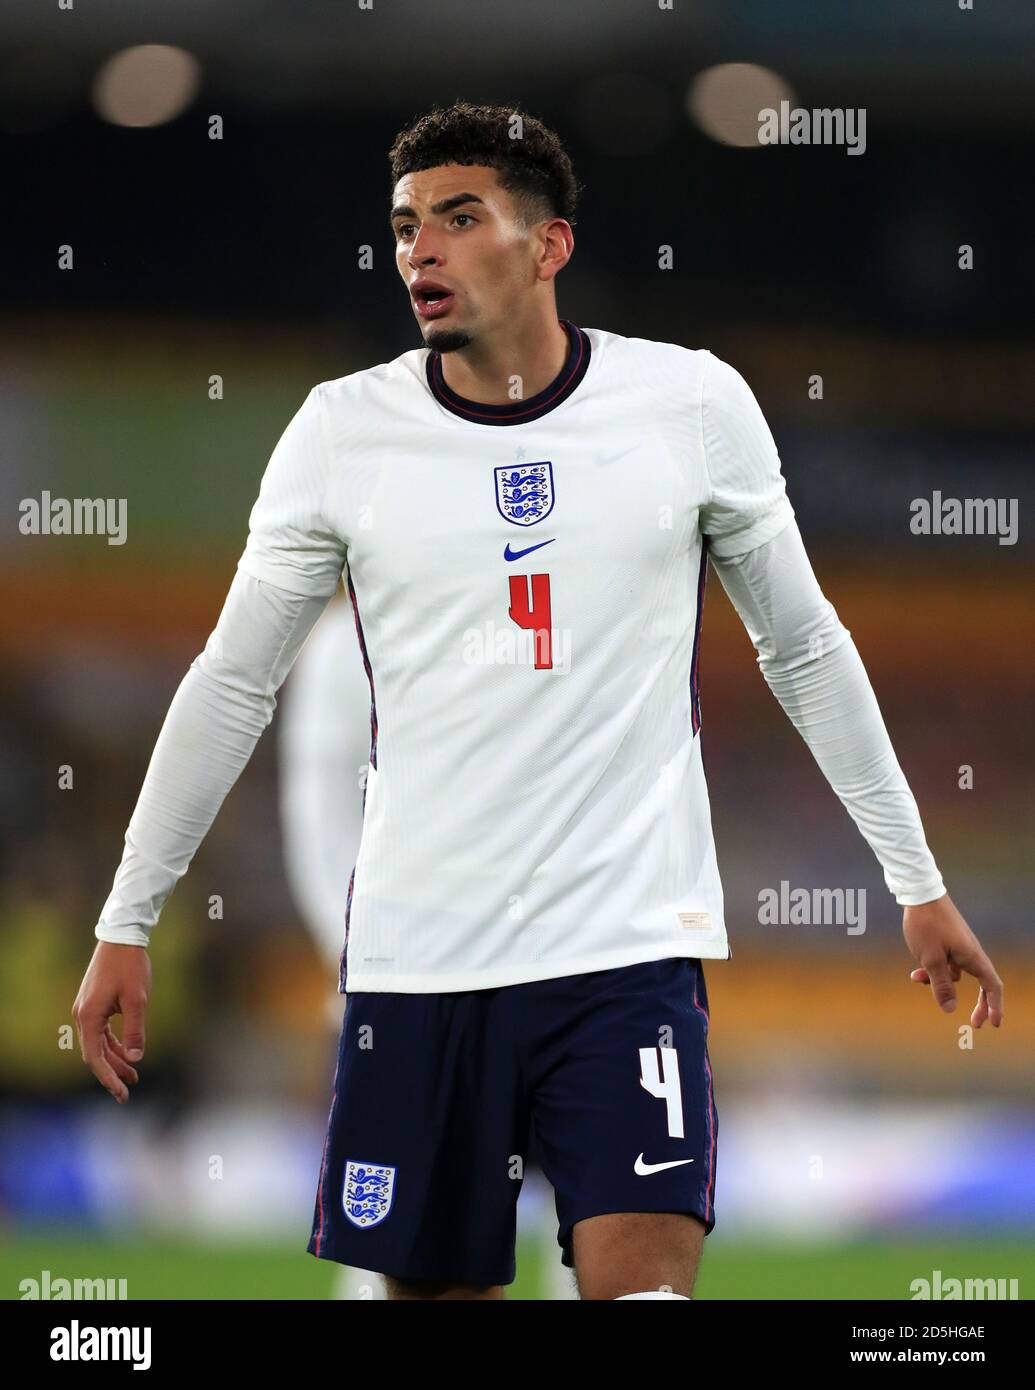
(461, 251)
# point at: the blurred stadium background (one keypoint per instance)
(861, 1145)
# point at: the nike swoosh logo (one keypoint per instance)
(642, 1169)
(509, 554)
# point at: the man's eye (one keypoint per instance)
(463, 214)
(402, 228)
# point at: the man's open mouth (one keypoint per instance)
(432, 301)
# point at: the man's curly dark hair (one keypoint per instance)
(532, 164)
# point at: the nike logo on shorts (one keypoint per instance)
(642, 1169)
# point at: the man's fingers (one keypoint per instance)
(980, 1013)
(106, 1076)
(990, 999)
(989, 1004)
(91, 1041)
(114, 1043)
(91, 1026)
(922, 977)
(133, 1027)
(119, 1064)
(940, 978)
(995, 1005)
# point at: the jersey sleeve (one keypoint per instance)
(812, 666)
(222, 705)
(747, 501)
(291, 541)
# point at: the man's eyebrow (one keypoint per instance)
(445, 205)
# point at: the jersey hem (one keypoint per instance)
(453, 981)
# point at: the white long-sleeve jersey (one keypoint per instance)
(528, 581)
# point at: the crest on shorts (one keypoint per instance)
(367, 1193)
(524, 492)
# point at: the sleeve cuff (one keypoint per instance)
(933, 890)
(122, 936)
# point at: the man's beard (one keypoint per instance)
(447, 339)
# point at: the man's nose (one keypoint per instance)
(423, 250)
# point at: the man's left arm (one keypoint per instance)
(812, 666)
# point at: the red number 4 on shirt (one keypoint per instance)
(534, 612)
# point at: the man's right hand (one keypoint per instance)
(118, 981)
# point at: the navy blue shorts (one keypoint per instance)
(435, 1095)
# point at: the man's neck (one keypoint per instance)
(517, 369)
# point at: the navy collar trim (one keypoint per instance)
(576, 365)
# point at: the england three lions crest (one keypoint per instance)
(524, 492)
(367, 1193)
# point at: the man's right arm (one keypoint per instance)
(223, 704)
(290, 570)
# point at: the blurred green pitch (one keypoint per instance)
(167, 1269)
